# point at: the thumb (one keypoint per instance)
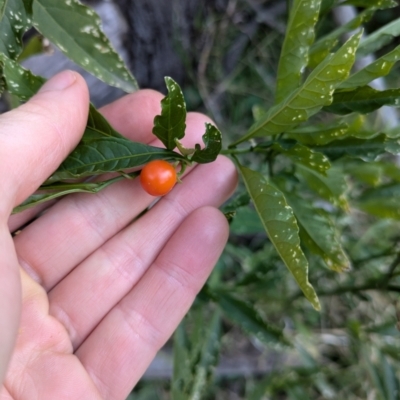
(37, 136)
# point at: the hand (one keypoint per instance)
(88, 297)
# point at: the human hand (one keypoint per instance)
(87, 297)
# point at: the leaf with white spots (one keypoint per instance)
(315, 93)
(75, 29)
(316, 135)
(300, 154)
(364, 149)
(171, 124)
(212, 140)
(321, 48)
(14, 24)
(379, 38)
(363, 100)
(331, 187)
(298, 39)
(19, 81)
(318, 233)
(109, 154)
(379, 68)
(281, 227)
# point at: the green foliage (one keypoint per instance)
(294, 54)
(363, 100)
(170, 125)
(306, 101)
(281, 226)
(86, 44)
(319, 191)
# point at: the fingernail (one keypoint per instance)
(61, 81)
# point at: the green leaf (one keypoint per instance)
(294, 55)
(75, 30)
(321, 48)
(3, 5)
(109, 154)
(33, 47)
(248, 318)
(14, 24)
(303, 155)
(319, 234)
(376, 40)
(281, 227)
(363, 100)
(239, 201)
(368, 172)
(19, 81)
(98, 127)
(58, 190)
(208, 357)
(365, 149)
(196, 350)
(171, 124)
(381, 67)
(212, 140)
(330, 187)
(315, 93)
(319, 134)
(382, 202)
(378, 4)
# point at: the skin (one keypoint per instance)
(87, 297)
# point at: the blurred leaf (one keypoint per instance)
(208, 357)
(3, 5)
(319, 134)
(32, 47)
(14, 24)
(298, 39)
(109, 154)
(381, 67)
(248, 318)
(379, 38)
(365, 149)
(330, 187)
(303, 155)
(378, 4)
(52, 192)
(363, 99)
(212, 140)
(85, 44)
(196, 350)
(389, 379)
(382, 201)
(369, 173)
(321, 48)
(315, 93)
(246, 222)
(281, 227)
(241, 200)
(171, 124)
(319, 234)
(19, 81)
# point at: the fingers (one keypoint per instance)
(131, 334)
(10, 298)
(37, 136)
(79, 224)
(110, 272)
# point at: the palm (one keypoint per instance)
(101, 295)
